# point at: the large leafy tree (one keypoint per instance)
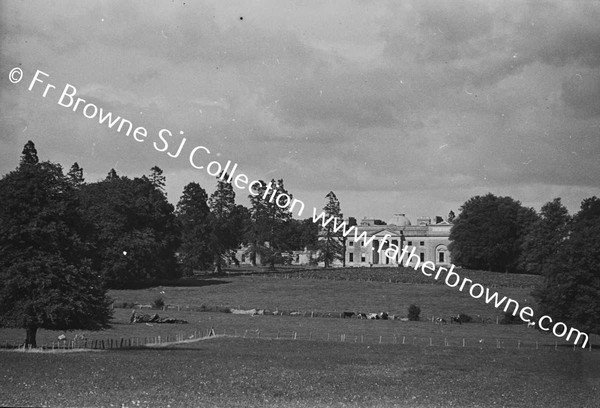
(194, 218)
(46, 277)
(133, 229)
(571, 292)
(488, 233)
(331, 244)
(540, 246)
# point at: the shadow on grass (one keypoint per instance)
(194, 282)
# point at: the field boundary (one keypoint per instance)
(398, 339)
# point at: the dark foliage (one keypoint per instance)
(46, 277)
(571, 293)
(414, 312)
(193, 215)
(133, 230)
(488, 233)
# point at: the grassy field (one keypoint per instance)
(261, 373)
(249, 292)
(304, 362)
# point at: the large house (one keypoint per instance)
(428, 239)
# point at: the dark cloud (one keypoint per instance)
(411, 105)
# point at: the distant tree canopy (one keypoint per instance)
(488, 233)
(133, 230)
(571, 292)
(45, 272)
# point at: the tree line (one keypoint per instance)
(65, 241)
(499, 234)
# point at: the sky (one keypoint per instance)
(397, 106)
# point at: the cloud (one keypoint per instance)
(422, 102)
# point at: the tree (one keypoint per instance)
(488, 232)
(226, 224)
(133, 229)
(571, 291)
(539, 249)
(331, 244)
(75, 175)
(193, 215)
(267, 236)
(157, 178)
(46, 277)
(451, 216)
(112, 175)
(29, 155)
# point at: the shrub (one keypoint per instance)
(124, 305)
(464, 318)
(508, 318)
(413, 313)
(158, 303)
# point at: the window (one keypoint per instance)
(362, 258)
(362, 243)
(351, 257)
(243, 258)
(409, 243)
(422, 243)
(441, 257)
(422, 256)
(350, 243)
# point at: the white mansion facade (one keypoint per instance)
(428, 239)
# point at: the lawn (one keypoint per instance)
(323, 295)
(235, 372)
(302, 361)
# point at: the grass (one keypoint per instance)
(260, 373)
(332, 361)
(321, 295)
(401, 275)
(475, 335)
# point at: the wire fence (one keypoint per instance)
(314, 336)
